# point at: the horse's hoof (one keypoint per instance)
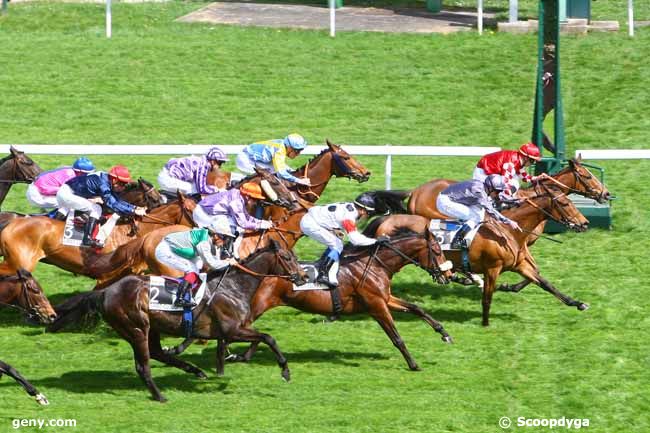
(286, 375)
(447, 339)
(415, 368)
(201, 375)
(582, 306)
(161, 399)
(235, 357)
(41, 399)
(171, 351)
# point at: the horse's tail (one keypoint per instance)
(389, 201)
(79, 309)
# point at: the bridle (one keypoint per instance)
(26, 305)
(341, 169)
(17, 170)
(283, 263)
(566, 219)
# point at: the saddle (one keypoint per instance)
(163, 291)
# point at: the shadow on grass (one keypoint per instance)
(96, 382)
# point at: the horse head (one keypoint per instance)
(276, 190)
(560, 208)
(151, 196)
(23, 169)
(345, 165)
(586, 182)
(31, 297)
(287, 264)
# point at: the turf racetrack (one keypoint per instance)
(159, 82)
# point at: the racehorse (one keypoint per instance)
(364, 285)
(575, 178)
(333, 161)
(496, 248)
(16, 168)
(23, 292)
(220, 314)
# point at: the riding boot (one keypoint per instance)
(88, 239)
(184, 295)
(323, 272)
(459, 240)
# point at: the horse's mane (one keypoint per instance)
(388, 201)
(6, 158)
(371, 228)
(123, 257)
(135, 185)
(353, 251)
(302, 167)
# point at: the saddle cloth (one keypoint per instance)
(444, 231)
(163, 292)
(73, 233)
(311, 268)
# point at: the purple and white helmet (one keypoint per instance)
(216, 154)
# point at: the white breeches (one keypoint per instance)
(166, 256)
(35, 197)
(471, 215)
(311, 228)
(68, 199)
(222, 224)
(171, 184)
(247, 165)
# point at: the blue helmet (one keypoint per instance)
(84, 165)
(295, 141)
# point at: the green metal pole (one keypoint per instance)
(5, 6)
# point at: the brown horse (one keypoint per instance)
(496, 248)
(16, 168)
(220, 315)
(575, 178)
(365, 286)
(23, 292)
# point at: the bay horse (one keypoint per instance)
(497, 248)
(23, 292)
(220, 315)
(365, 286)
(16, 168)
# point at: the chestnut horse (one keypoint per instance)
(16, 168)
(365, 286)
(497, 248)
(23, 292)
(220, 315)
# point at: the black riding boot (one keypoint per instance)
(88, 234)
(184, 288)
(458, 242)
(323, 272)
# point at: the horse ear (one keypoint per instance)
(329, 144)
(13, 151)
(579, 158)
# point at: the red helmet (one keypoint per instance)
(531, 151)
(120, 173)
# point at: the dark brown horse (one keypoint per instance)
(16, 168)
(23, 292)
(365, 286)
(220, 315)
(496, 248)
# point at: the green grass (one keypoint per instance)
(164, 82)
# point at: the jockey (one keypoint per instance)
(189, 175)
(464, 201)
(271, 155)
(511, 165)
(187, 251)
(320, 222)
(42, 193)
(227, 212)
(76, 192)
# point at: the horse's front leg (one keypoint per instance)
(29, 388)
(532, 273)
(514, 288)
(397, 304)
